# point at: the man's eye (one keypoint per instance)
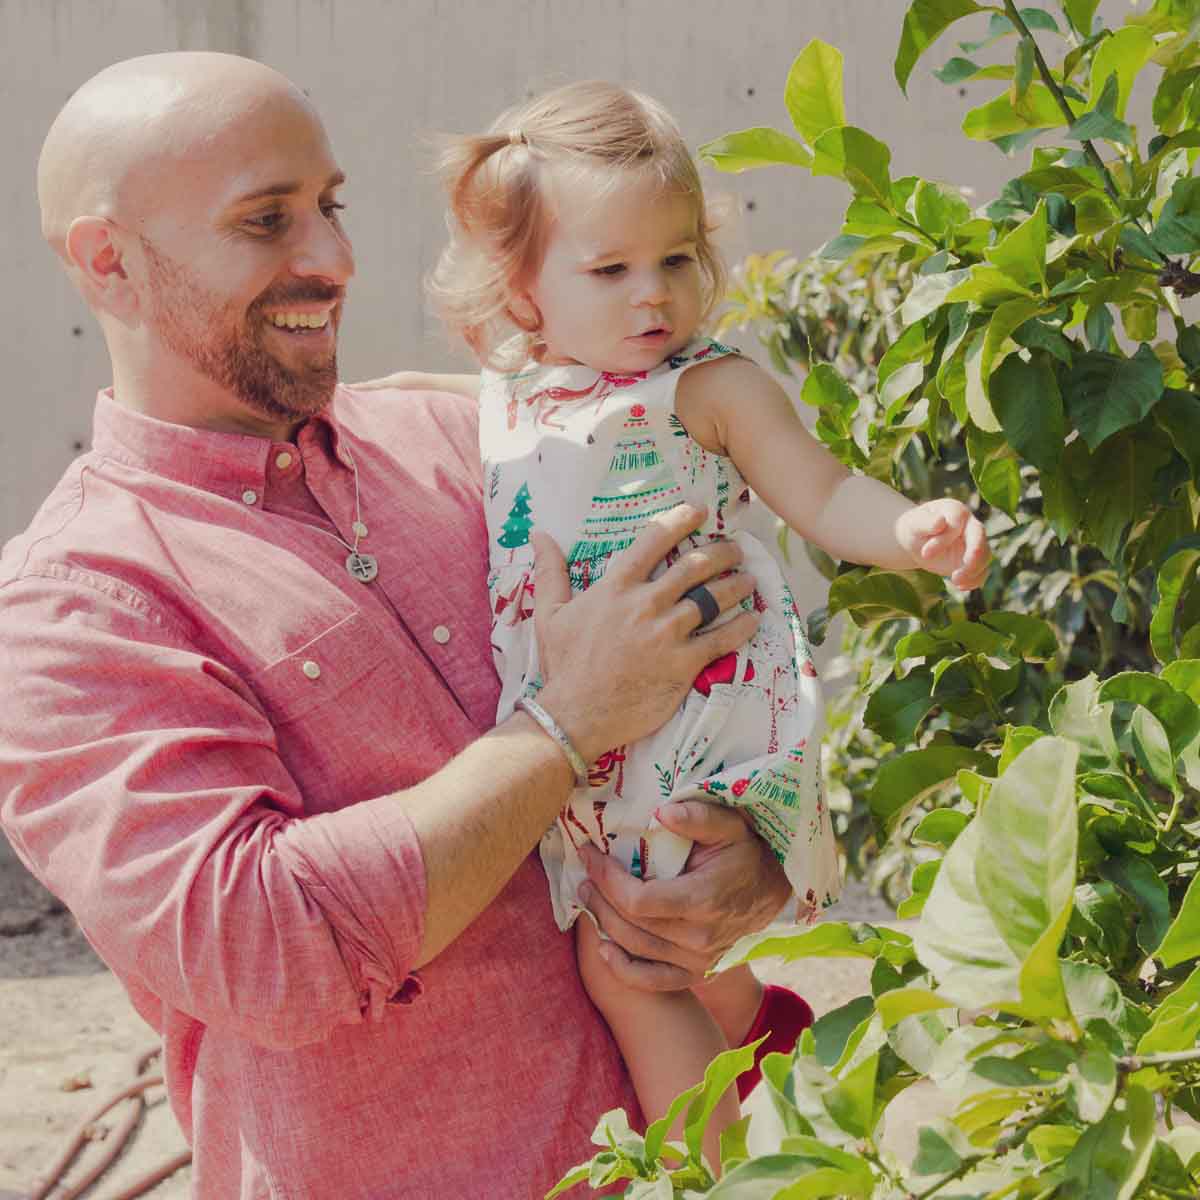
(611, 270)
(267, 222)
(677, 260)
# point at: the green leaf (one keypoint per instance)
(1182, 939)
(750, 148)
(870, 596)
(1029, 406)
(733, 1144)
(1080, 14)
(939, 828)
(995, 469)
(718, 1078)
(998, 909)
(1176, 1023)
(1178, 228)
(922, 883)
(1102, 122)
(1119, 57)
(1021, 253)
(816, 1170)
(1105, 393)
(1175, 579)
(1077, 713)
(1152, 749)
(898, 707)
(902, 782)
(852, 1102)
(1093, 1083)
(1027, 875)
(938, 208)
(1138, 880)
(1064, 492)
(832, 1031)
(813, 92)
(901, 1003)
(849, 153)
(1032, 638)
(830, 939)
(1128, 464)
(924, 23)
(1176, 711)
(1178, 415)
(1110, 1158)
(1023, 69)
(999, 118)
(941, 1148)
(1016, 739)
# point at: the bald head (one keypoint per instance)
(132, 129)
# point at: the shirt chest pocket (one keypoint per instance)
(328, 670)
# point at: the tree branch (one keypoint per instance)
(1051, 83)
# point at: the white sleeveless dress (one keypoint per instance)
(589, 457)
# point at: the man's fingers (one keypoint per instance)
(705, 824)
(634, 898)
(647, 975)
(727, 592)
(657, 538)
(711, 644)
(551, 587)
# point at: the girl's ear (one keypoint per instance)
(524, 313)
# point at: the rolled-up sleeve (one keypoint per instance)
(141, 781)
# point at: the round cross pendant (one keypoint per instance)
(363, 567)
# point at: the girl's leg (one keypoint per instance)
(733, 999)
(666, 1038)
(745, 1010)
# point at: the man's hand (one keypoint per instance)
(666, 933)
(944, 536)
(619, 658)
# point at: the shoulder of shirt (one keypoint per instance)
(52, 551)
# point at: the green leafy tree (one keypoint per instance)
(1039, 740)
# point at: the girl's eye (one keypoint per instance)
(611, 270)
(677, 260)
(332, 209)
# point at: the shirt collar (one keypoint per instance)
(225, 463)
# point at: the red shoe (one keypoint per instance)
(783, 1016)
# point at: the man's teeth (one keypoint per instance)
(299, 320)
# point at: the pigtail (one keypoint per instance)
(495, 219)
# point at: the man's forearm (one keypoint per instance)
(478, 818)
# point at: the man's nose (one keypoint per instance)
(324, 251)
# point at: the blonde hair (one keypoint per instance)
(499, 215)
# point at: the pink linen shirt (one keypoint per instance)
(204, 716)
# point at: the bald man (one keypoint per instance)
(246, 733)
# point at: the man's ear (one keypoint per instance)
(95, 255)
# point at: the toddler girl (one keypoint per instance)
(581, 273)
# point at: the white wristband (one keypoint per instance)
(533, 709)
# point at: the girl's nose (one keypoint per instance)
(651, 289)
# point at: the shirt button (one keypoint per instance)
(249, 496)
(283, 460)
(312, 669)
(359, 528)
(441, 635)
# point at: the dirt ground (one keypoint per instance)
(69, 1038)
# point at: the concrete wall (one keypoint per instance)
(387, 72)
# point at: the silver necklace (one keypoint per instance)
(361, 566)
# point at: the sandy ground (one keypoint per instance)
(69, 1037)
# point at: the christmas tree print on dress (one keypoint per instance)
(515, 532)
(639, 485)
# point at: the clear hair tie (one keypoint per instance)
(517, 138)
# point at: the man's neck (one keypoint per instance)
(192, 399)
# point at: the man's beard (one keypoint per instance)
(193, 324)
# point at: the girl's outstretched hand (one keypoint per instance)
(945, 537)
